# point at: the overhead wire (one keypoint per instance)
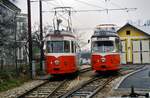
(128, 10)
(57, 13)
(93, 5)
(69, 18)
(53, 4)
(62, 16)
(99, 10)
(89, 4)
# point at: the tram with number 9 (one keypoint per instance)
(106, 48)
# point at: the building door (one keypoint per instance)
(145, 51)
(123, 52)
(136, 49)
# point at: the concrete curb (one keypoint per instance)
(126, 76)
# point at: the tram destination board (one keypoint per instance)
(103, 32)
(103, 38)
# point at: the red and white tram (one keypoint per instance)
(105, 47)
(60, 53)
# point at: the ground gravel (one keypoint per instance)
(13, 93)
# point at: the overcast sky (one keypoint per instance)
(91, 19)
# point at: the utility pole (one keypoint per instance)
(41, 37)
(29, 38)
(15, 47)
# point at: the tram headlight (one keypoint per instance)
(56, 62)
(103, 59)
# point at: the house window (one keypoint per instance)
(127, 32)
(20, 53)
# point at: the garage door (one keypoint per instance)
(123, 54)
(136, 52)
(145, 51)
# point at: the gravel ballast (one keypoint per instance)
(13, 93)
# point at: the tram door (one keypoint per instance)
(123, 52)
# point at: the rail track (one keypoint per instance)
(58, 89)
(63, 89)
(44, 90)
(94, 85)
(89, 88)
(50, 88)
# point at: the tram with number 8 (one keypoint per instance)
(105, 47)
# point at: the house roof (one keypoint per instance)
(144, 29)
(10, 5)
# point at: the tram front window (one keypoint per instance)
(58, 46)
(102, 46)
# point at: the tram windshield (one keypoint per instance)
(58, 46)
(102, 46)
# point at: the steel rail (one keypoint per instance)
(27, 92)
(79, 87)
(45, 83)
(60, 91)
(44, 91)
(88, 89)
(52, 93)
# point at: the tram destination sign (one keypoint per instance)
(104, 33)
(103, 38)
(57, 38)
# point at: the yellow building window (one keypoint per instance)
(127, 32)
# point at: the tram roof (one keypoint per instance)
(104, 33)
(61, 33)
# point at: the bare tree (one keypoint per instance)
(36, 37)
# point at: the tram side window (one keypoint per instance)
(66, 46)
(72, 47)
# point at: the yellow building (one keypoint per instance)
(135, 44)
